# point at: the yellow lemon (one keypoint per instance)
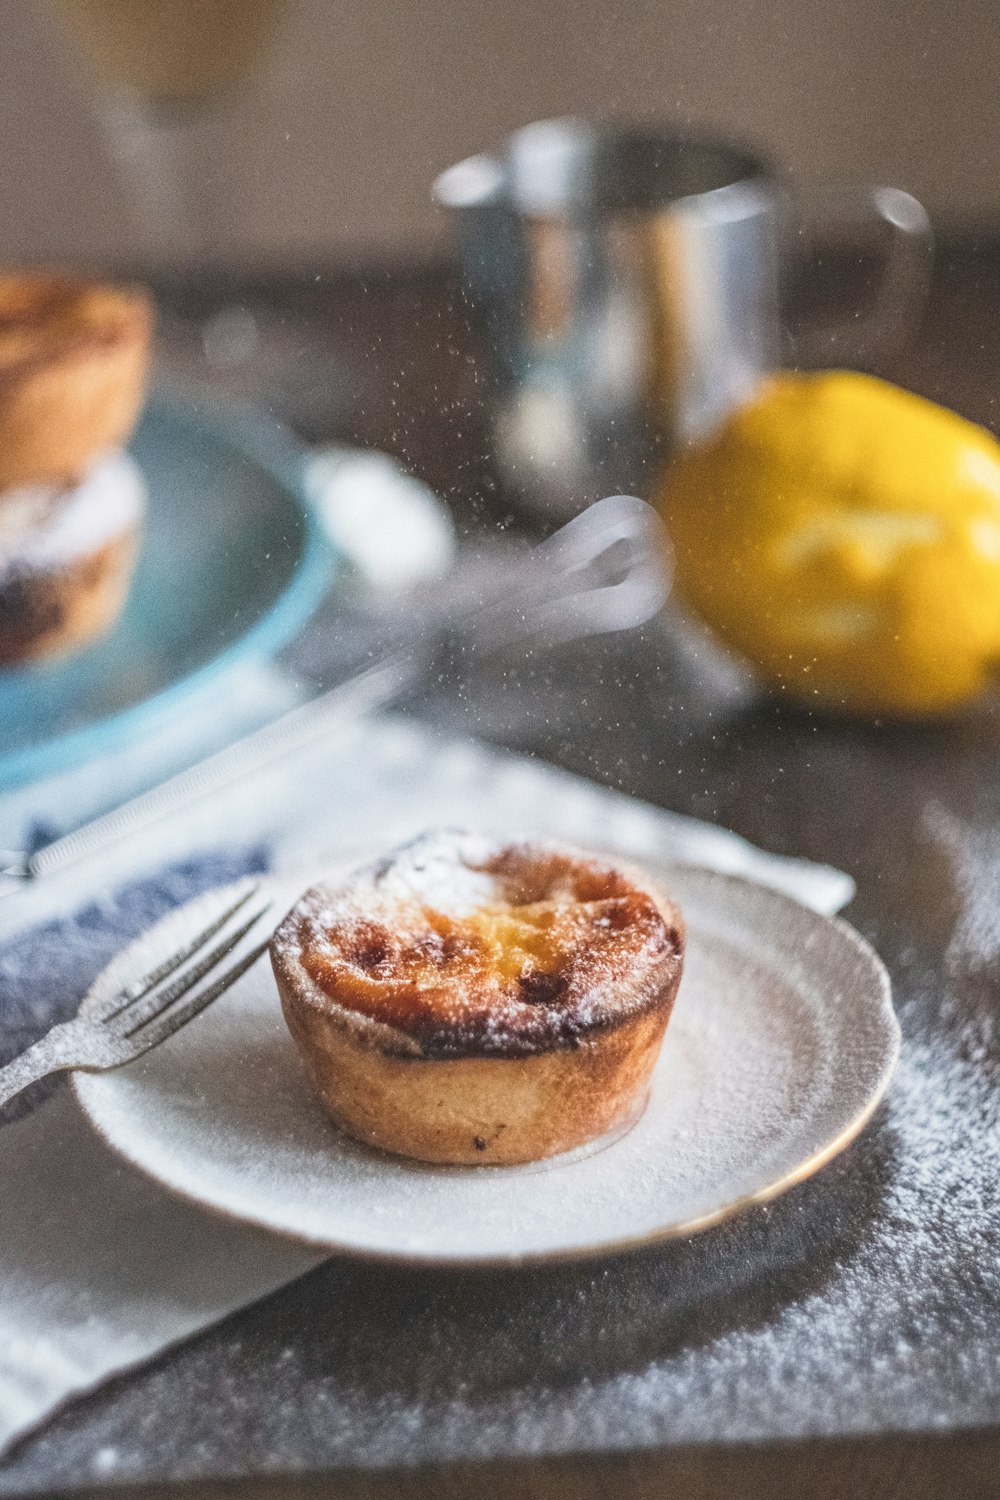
(844, 535)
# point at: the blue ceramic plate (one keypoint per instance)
(231, 565)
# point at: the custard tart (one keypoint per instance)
(66, 558)
(469, 1001)
(73, 361)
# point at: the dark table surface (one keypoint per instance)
(847, 1339)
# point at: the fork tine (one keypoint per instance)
(152, 1033)
(142, 1011)
(116, 1003)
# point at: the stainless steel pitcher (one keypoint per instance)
(626, 283)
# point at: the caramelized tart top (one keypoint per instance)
(456, 945)
(45, 318)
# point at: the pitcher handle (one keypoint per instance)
(866, 336)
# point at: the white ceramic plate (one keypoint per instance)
(782, 1041)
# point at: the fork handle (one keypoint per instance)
(48, 1055)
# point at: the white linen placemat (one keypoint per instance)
(100, 1269)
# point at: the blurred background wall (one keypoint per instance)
(331, 153)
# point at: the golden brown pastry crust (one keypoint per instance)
(516, 1016)
(48, 615)
(73, 362)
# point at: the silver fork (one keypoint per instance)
(139, 1017)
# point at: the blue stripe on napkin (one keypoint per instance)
(45, 972)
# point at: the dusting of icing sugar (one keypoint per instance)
(975, 860)
(443, 870)
(46, 526)
(467, 946)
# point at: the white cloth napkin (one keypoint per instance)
(211, 718)
(100, 1269)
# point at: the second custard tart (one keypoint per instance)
(73, 359)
